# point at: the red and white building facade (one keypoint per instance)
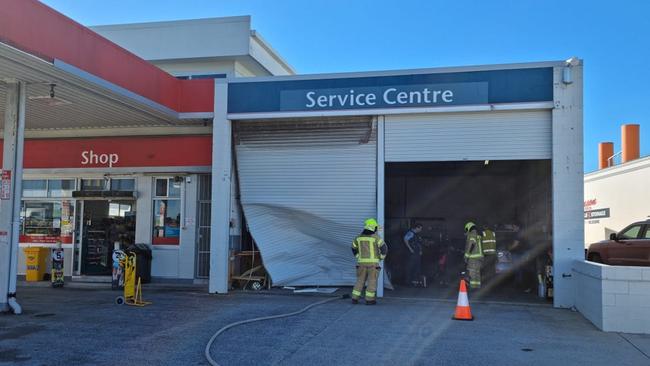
(128, 133)
(153, 179)
(176, 144)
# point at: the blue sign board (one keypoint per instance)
(393, 91)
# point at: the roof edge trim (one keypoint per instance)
(435, 70)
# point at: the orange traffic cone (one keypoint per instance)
(463, 311)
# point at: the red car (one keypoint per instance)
(629, 247)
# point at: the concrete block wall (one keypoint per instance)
(614, 298)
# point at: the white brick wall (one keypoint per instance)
(614, 298)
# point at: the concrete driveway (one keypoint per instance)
(83, 327)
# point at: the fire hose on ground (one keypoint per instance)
(247, 321)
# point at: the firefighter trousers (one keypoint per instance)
(474, 272)
(367, 273)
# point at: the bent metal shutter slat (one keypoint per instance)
(496, 135)
(306, 188)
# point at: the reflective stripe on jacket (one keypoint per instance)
(369, 249)
(473, 248)
(489, 242)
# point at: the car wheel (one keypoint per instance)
(595, 258)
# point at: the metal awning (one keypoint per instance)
(81, 100)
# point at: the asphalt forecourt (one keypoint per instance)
(84, 327)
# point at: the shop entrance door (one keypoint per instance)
(105, 223)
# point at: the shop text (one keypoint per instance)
(92, 158)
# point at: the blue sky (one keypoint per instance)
(343, 35)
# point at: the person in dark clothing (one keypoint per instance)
(413, 243)
(519, 251)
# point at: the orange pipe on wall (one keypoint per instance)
(605, 151)
(630, 142)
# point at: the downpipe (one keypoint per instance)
(13, 304)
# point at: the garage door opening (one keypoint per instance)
(512, 198)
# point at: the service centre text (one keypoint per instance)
(390, 96)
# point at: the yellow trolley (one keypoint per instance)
(132, 289)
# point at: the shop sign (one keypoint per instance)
(5, 189)
(118, 152)
(601, 213)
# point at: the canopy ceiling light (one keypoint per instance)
(51, 100)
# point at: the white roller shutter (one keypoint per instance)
(306, 188)
(502, 135)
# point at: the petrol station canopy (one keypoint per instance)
(75, 78)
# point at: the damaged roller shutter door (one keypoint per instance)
(306, 188)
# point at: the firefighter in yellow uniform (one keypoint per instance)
(369, 249)
(489, 246)
(473, 255)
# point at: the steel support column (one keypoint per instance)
(221, 186)
(380, 196)
(10, 195)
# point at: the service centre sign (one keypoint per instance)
(419, 90)
(431, 95)
(118, 152)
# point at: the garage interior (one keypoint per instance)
(443, 196)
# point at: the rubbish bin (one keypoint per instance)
(36, 261)
(142, 261)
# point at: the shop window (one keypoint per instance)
(122, 184)
(46, 222)
(35, 188)
(166, 211)
(93, 184)
(119, 209)
(161, 187)
(42, 188)
(174, 189)
(60, 187)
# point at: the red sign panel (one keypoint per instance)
(118, 152)
(5, 188)
(45, 239)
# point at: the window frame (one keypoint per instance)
(162, 240)
(106, 184)
(638, 234)
(48, 194)
(646, 232)
(65, 240)
(110, 184)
